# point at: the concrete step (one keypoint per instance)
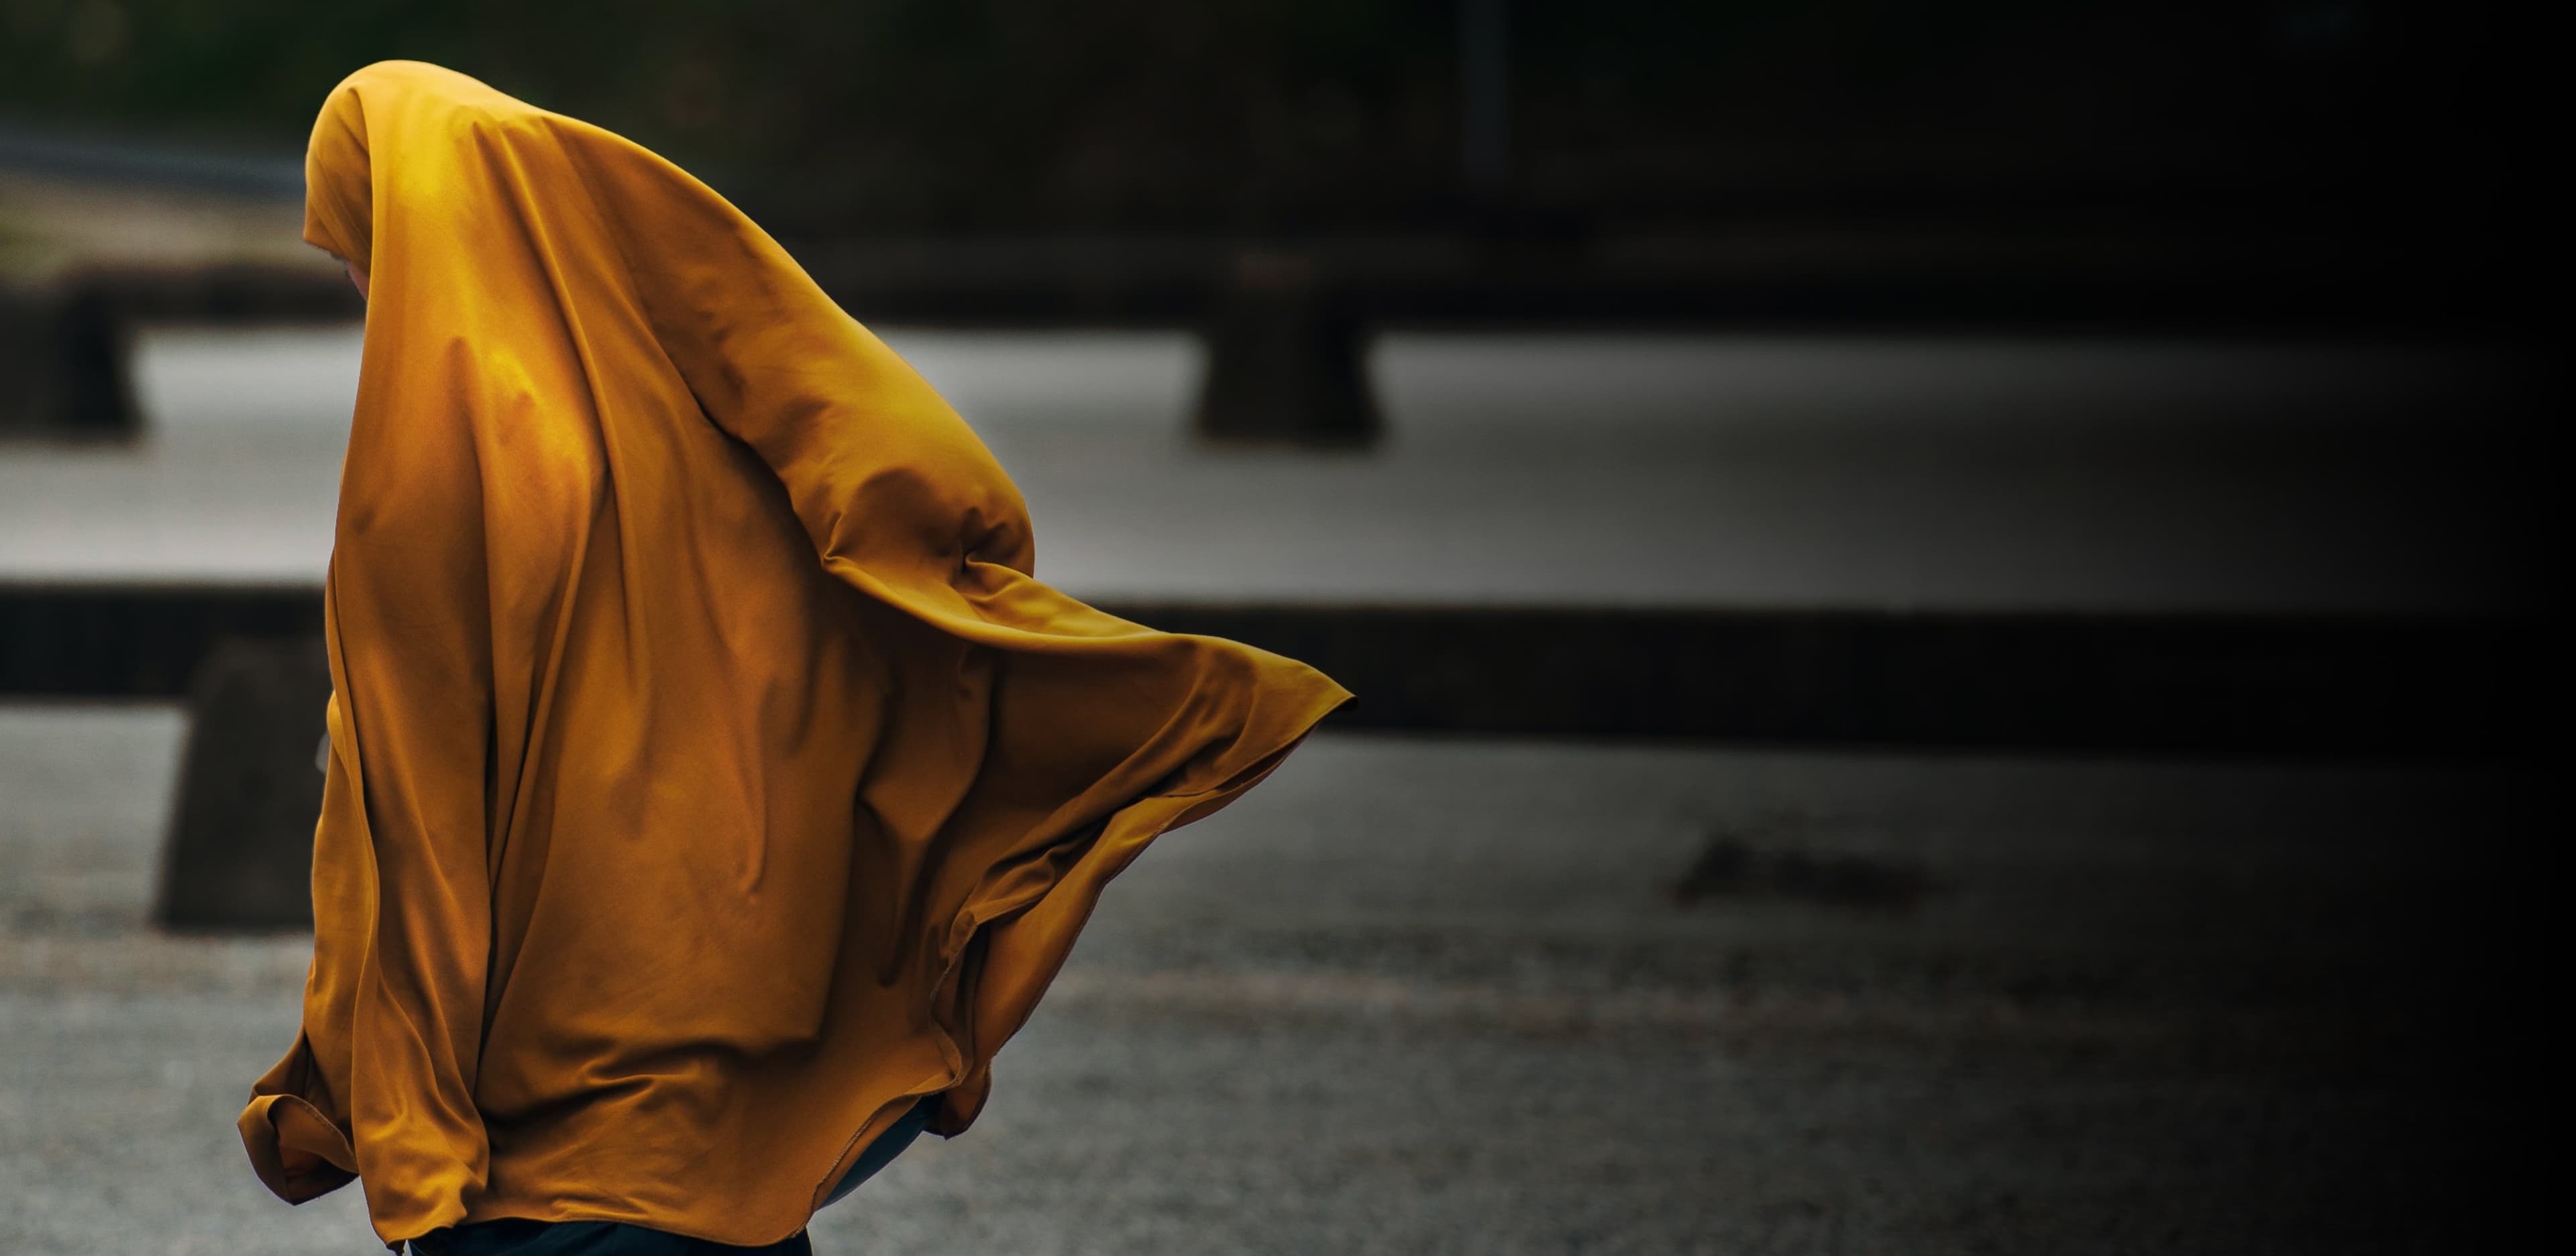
(2368, 685)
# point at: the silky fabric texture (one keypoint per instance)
(709, 777)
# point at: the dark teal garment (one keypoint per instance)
(885, 1147)
(513, 1237)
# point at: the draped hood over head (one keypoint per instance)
(710, 776)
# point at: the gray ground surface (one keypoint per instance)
(1829, 471)
(1416, 995)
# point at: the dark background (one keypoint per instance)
(2339, 119)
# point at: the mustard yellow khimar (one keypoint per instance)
(709, 774)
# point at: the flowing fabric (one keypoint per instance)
(709, 777)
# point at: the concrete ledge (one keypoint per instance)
(64, 346)
(2437, 686)
(1285, 323)
(2192, 684)
(134, 641)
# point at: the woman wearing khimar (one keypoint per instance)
(712, 788)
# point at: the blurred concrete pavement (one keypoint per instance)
(1421, 995)
(1864, 472)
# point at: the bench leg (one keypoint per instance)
(240, 849)
(1286, 366)
(63, 355)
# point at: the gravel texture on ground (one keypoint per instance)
(1418, 995)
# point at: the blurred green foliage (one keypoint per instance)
(1288, 115)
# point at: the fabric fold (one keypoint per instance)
(298, 1153)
